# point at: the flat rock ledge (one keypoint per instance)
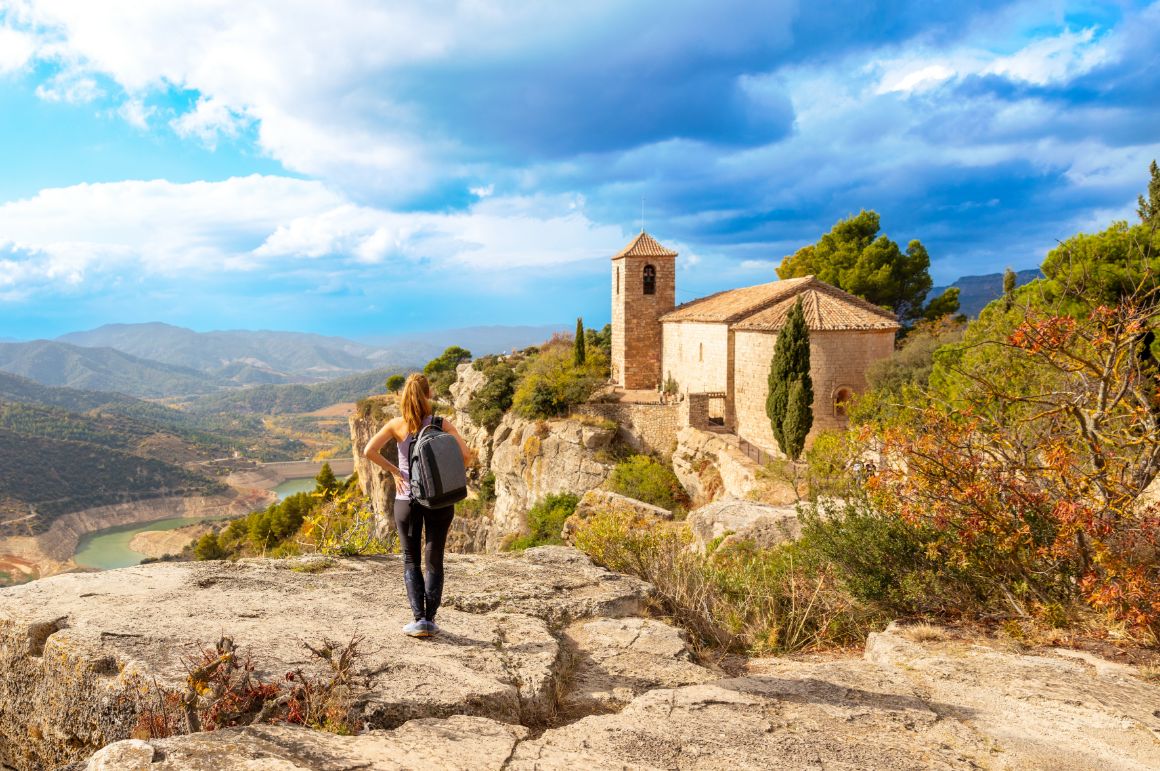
(941, 703)
(546, 664)
(78, 651)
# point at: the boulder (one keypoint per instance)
(597, 501)
(533, 459)
(732, 520)
(79, 651)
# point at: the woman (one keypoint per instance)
(424, 592)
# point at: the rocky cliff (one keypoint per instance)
(529, 459)
(545, 663)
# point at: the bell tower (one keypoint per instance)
(644, 275)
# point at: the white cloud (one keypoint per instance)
(210, 119)
(136, 113)
(1040, 62)
(69, 237)
(16, 48)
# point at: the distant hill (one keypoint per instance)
(64, 449)
(285, 399)
(479, 340)
(53, 476)
(242, 357)
(211, 434)
(976, 291)
(54, 363)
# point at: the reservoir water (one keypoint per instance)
(109, 548)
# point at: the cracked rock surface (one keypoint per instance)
(547, 663)
(76, 651)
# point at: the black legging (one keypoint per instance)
(410, 519)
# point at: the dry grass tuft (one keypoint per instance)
(921, 633)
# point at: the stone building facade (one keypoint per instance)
(722, 345)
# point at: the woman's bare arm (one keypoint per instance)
(372, 449)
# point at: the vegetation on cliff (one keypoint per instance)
(550, 382)
(333, 518)
(648, 479)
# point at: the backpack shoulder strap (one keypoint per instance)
(437, 422)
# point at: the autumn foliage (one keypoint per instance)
(1030, 476)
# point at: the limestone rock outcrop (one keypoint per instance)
(925, 701)
(76, 650)
(455, 743)
(600, 501)
(532, 459)
(730, 519)
(1066, 710)
(375, 483)
(468, 381)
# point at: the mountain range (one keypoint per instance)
(157, 360)
(976, 291)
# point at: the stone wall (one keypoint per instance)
(644, 427)
(697, 355)
(838, 360)
(636, 327)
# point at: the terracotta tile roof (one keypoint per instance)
(764, 307)
(825, 308)
(645, 245)
(736, 304)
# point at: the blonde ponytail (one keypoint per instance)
(415, 402)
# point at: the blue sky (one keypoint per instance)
(362, 168)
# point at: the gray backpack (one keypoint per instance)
(438, 475)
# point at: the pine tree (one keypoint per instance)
(581, 353)
(1149, 210)
(326, 480)
(791, 362)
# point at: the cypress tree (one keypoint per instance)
(791, 362)
(1009, 281)
(581, 354)
(799, 416)
(1149, 208)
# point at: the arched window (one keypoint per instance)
(650, 279)
(618, 282)
(700, 351)
(841, 397)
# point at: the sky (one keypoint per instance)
(366, 167)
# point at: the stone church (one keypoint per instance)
(721, 346)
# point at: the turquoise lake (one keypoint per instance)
(109, 548)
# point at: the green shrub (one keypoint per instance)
(740, 598)
(888, 562)
(440, 371)
(647, 479)
(208, 548)
(546, 521)
(550, 383)
(494, 397)
(487, 488)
